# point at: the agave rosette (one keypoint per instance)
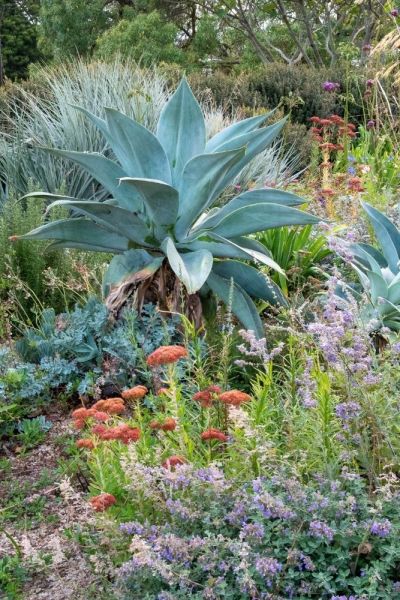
(163, 190)
(378, 271)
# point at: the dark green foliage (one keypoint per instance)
(299, 87)
(146, 38)
(70, 27)
(18, 37)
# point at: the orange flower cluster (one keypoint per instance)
(214, 434)
(234, 397)
(355, 184)
(102, 502)
(112, 406)
(81, 416)
(206, 396)
(85, 443)
(173, 460)
(165, 355)
(135, 393)
(123, 432)
(168, 425)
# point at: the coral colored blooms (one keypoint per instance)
(85, 443)
(168, 425)
(214, 434)
(135, 393)
(165, 355)
(205, 397)
(173, 461)
(234, 397)
(102, 502)
(123, 433)
(112, 406)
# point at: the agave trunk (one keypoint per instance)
(162, 288)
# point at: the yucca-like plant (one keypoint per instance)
(379, 272)
(161, 220)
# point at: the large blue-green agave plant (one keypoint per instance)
(163, 190)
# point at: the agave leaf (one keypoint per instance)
(379, 288)
(261, 196)
(366, 257)
(200, 185)
(161, 200)
(252, 254)
(258, 217)
(235, 296)
(191, 268)
(236, 129)
(255, 142)
(181, 129)
(79, 231)
(387, 234)
(251, 244)
(113, 218)
(105, 171)
(138, 150)
(217, 248)
(124, 265)
(253, 281)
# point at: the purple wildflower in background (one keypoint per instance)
(371, 124)
(320, 529)
(367, 48)
(396, 348)
(395, 12)
(330, 86)
(370, 83)
(381, 528)
(351, 170)
(252, 530)
(396, 586)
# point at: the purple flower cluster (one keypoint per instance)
(330, 86)
(256, 348)
(381, 528)
(320, 529)
(306, 386)
(272, 507)
(348, 411)
(268, 567)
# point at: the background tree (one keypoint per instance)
(71, 27)
(18, 37)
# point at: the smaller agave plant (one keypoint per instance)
(379, 272)
(162, 220)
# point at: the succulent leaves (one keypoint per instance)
(162, 194)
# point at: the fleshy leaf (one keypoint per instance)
(181, 129)
(192, 268)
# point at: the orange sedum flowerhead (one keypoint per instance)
(135, 393)
(102, 502)
(214, 434)
(165, 355)
(173, 461)
(206, 396)
(234, 397)
(85, 443)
